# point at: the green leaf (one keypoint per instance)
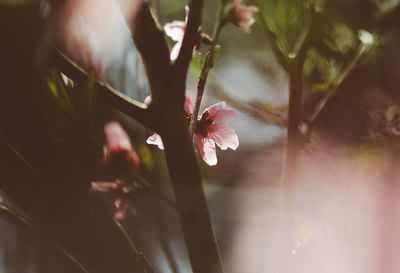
(196, 65)
(289, 20)
(340, 38)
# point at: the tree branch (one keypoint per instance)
(121, 102)
(152, 45)
(330, 91)
(190, 39)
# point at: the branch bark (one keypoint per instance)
(125, 104)
(293, 146)
(167, 83)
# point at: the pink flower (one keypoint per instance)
(119, 161)
(210, 130)
(176, 31)
(118, 193)
(119, 156)
(242, 16)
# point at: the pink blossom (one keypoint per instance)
(242, 15)
(176, 31)
(119, 161)
(118, 193)
(119, 155)
(210, 131)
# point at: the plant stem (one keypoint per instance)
(208, 64)
(357, 57)
(289, 168)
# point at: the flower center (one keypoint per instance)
(202, 125)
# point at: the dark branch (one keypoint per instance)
(151, 43)
(121, 102)
(190, 39)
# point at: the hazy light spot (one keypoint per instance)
(365, 37)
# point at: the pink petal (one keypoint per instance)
(175, 30)
(147, 100)
(175, 51)
(244, 15)
(103, 186)
(155, 139)
(119, 215)
(217, 112)
(123, 205)
(117, 138)
(207, 150)
(188, 105)
(118, 202)
(224, 135)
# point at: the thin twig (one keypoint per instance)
(264, 112)
(190, 39)
(142, 259)
(208, 64)
(18, 155)
(331, 90)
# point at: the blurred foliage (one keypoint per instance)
(289, 20)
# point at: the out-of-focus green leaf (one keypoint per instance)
(52, 86)
(196, 65)
(289, 20)
(91, 94)
(327, 68)
(386, 6)
(147, 157)
(57, 88)
(317, 6)
(217, 53)
(340, 38)
(319, 87)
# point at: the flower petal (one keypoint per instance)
(155, 139)
(217, 112)
(147, 100)
(104, 186)
(224, 135)
(244, 15)
(175, 51)
(188, 105)
(207, 150)
(175, 30)
(117, 138)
